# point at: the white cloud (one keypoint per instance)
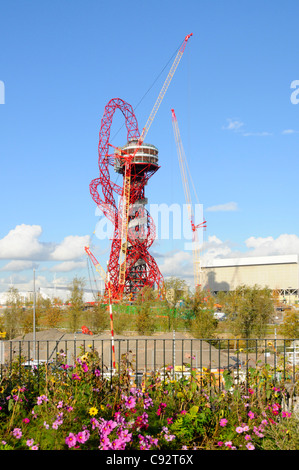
(22, 243)
(237, 126)
(72, 247)
(285, 244)
(216, 248)
(19, 265)
(259, 134)
(177, 264)
(68, 266)
(229, 206)
(233, 125)
(290, 131)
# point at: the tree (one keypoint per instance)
(203, 324)
(249, 310)
(76, 303)
(145, 322)
(53, 313)
(13, 313)
(176, 290)
(97, 319)
(290, 325)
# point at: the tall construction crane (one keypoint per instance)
(128, 159)
(96, 264)
(184, 174)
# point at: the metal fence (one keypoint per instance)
(180, 357)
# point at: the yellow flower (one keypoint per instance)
(93, 411)
(102, 407)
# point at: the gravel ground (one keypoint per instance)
(153, 352)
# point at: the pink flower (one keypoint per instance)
(223, 422)
(285, 414)
(248, 437)
(250, 446)
(130, 403)
(29, 442)
(26, 420)
(239, 429)
(17, 433)
(71, 440)
(76, 377)
(228, 444)
(220, 443)
(82, 436)
(105, 443)
(251, 415)
(41, 399)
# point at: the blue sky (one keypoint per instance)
(62, 61)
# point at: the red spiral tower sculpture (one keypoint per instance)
(130, 266)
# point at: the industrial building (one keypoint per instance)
(279, 273)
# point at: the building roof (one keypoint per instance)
(251, 261)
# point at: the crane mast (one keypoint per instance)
(96, 264)
(128, 160)
(184, 175)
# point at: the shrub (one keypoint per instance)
(75, 407)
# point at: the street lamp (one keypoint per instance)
(34, 314)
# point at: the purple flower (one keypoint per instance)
(147, 402)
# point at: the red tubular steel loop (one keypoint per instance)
(107, 203)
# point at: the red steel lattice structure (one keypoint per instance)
(141, 268)
(130, 266)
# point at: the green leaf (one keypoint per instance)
(194, 410)
(10, 404)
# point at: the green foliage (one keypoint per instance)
(13, 313)
(249, 310)
(97, 318)
(42, 410)
(176, 292)
(290, 325)
(203, 324)
(76, 304)
(145, 321)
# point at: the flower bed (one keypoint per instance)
(76, 408)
